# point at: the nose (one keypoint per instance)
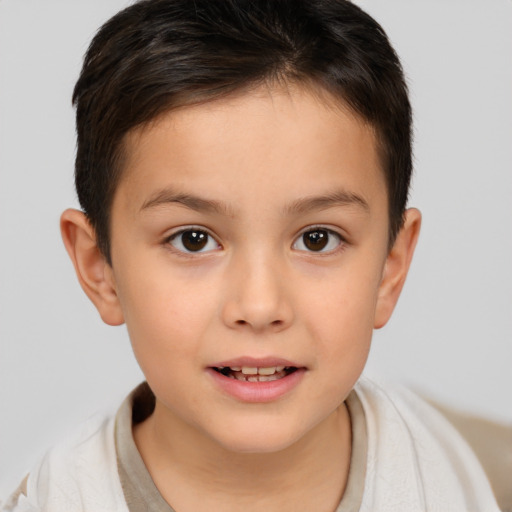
(257, 295)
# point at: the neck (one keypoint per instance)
(193, 472)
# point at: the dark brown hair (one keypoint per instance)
(157, 55)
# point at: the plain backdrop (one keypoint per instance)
(450, 336)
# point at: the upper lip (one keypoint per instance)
(256, 362)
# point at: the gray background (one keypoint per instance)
(450, 336)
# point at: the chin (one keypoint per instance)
(258, 439)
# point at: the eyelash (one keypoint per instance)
(300, 239)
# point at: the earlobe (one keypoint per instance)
(94, 273)
(396, 267)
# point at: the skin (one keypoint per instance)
(256, 290)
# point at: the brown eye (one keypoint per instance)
(315, 240)
(318, 240)
(193, 240)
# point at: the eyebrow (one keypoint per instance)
(301, 205)
(170, 196)
(331, 200)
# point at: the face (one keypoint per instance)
(250, 236)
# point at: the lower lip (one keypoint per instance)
(257, 392)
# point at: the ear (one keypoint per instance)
(92, 269)
(396, 267)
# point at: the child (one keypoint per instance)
(243, 168)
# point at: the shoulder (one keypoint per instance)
(415, 456)
(78, 474)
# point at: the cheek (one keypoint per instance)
(340, 314)
(344, 334)
(166, 314)
(342, 327)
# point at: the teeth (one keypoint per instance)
(265, 378)
(254, 378)
(247, 370)
(267, 371)
(254, 374)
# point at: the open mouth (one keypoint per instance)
(253, 374)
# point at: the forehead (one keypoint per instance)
(290, 137)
